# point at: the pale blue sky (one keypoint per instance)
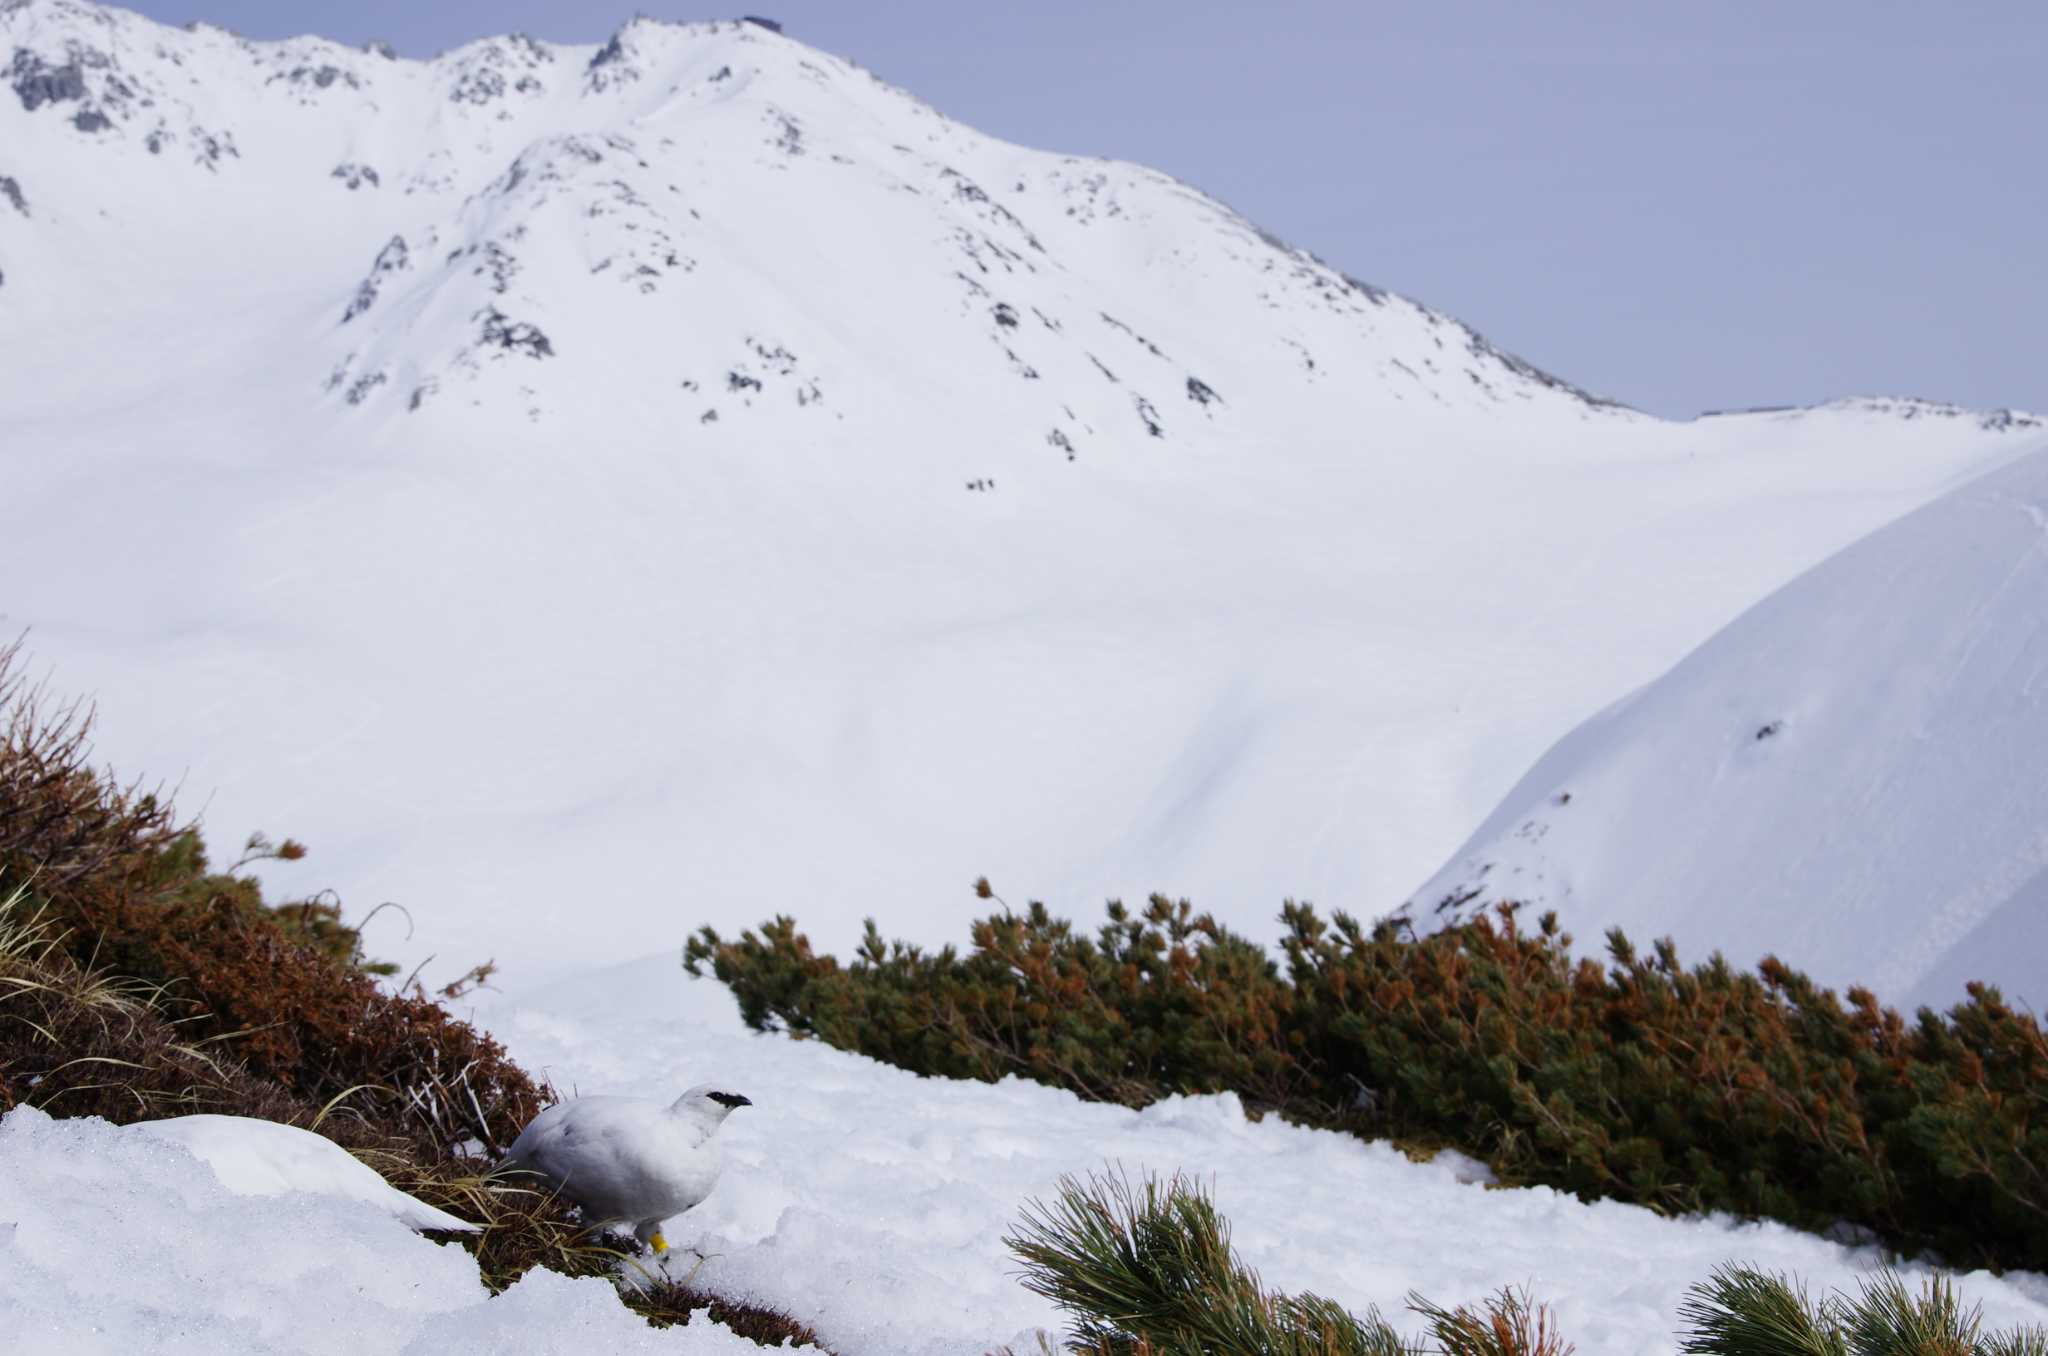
(1685, 206)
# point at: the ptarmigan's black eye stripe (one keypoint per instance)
(728, 1099)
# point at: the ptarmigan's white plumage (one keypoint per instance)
(625, 1160)
(263, 1158)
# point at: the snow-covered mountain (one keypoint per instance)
(588, 491)
(1853, 769)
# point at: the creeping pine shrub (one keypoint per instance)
(1740, 1311)
(128, 892)
(136, 983)
(78, 1042)
(1681, 1089)
(1147, 1270)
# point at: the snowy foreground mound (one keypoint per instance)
(1851, 773)
(114, 1244)
(586, 492)
(864, 1200)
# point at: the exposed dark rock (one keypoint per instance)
(11, 191)
(1149, 416)
(1477, 345)
(1006, 315)
(378, 47)
(500, 265)
(1202, 393)
(500, 331)
(740, 381)
(778, 358)
(477, 87)
(1060, 440)
(1376, 295)
(1114, 323)
(612, 51)
(355, 176)
(90, 120)
(36, 82)
(321, 77)
(772, 25)
(360, 389)
(393, 258)
(210, 149)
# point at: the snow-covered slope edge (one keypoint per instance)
(1853, 775)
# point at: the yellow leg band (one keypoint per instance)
(660, 1243)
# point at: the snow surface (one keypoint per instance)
(1850, 773)
(122, 1244)
(872, 1202)
(624, 488)
(264, 1158)
(865, 1200)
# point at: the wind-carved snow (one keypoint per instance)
(1847, 774)
(689, 459)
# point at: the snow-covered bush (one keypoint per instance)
(1642, 1080)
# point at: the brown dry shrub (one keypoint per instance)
(286, 988)
(1683, 1089)
(78, 1043)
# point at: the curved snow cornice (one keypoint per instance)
(1846, 776)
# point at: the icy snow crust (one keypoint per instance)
(121, 1244)
(620, 488)
(869, 1202)
(1852, 769)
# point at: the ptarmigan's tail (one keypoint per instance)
(417, 1214)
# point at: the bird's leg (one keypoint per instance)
(658, 1243)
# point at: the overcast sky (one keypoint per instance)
(1686, 207)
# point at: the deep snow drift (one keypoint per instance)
(1853, 770)
(863, 1199)
(586, 492)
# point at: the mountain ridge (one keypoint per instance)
(764, 466)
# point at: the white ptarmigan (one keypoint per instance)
(254, 1157)
(626, 1160)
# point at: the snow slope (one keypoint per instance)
(113, 1244)
(616, 488)
(867, 1201)
(1850, 773)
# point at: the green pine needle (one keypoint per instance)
(1887, 1320)
(1147, 1270)
(1511, 1325)
(2016, 1342)
(1740, 1311)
